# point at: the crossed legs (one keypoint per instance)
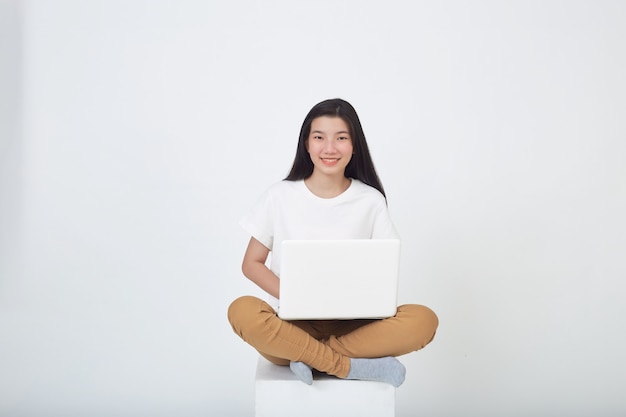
(333, 346)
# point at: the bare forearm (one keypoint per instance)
(262, 276)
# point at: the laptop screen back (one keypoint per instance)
(339, 279)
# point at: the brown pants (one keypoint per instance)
(328, 345)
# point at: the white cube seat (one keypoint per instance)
(279, 393)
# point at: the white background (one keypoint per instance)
(135, 134)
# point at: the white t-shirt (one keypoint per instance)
(289, 210)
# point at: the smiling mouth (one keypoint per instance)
(329, 161)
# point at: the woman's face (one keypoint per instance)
(330, 145)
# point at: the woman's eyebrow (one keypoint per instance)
(341, 132)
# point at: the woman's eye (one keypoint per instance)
(343, 138)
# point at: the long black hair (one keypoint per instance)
(360, 167)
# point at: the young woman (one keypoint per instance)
(332, 192)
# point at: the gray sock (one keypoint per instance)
(387, 369)
(302, 371)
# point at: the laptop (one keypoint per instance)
(339, 279)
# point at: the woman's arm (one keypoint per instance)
(254, 268)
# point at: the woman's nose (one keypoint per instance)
(329, 145)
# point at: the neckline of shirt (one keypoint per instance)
(339, 197)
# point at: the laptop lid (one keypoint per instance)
(339, 279)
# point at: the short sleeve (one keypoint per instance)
(259, 221)
(383, 225)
